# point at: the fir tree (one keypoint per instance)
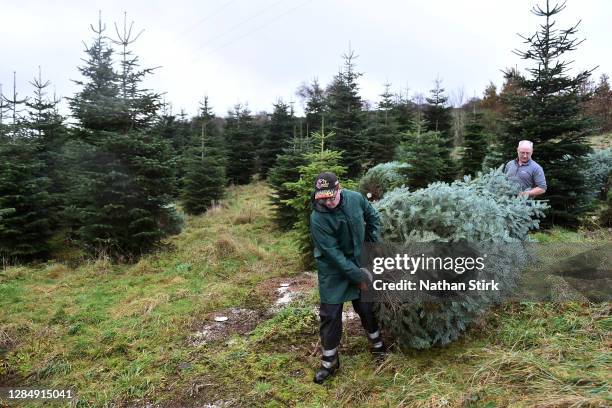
(47, 127)
(3, 113)
(204, 182)
(437, 114)
(278, 136)
(402, 112)
(438, 118)
(15, 107)
(346, 117)
(210, 125)
(178, 132)
(240, 135)
(122, 169)
(97, 106)
(382, 135)
(478, 213)
(141, 105)
(545, 109)
(474, 145)
(286, 170)
(315, 105)
(424, 157)
(316, 162)
(24, 201)
(382, 178)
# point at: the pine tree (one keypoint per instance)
(25, 226)
(209, 124)
(346, 117)
(439, 119)
(321, 160)
(423, 155)
(15, 108)
(24, 201)
(204, 182)
(474, 145)
(545, 109)
(315, 97)
(97, 106)
(240, 135)
(3, 114)
(46, 125)
(382, 134)
(121, 201)
(277, 137)
(286, 170)
(402, 112)
(141, 105)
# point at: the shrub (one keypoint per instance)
(598, 167)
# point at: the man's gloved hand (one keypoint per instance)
(363, 285)
(368, 274)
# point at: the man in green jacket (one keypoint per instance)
(341, 221)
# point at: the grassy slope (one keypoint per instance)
(123, 334)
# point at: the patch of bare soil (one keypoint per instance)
(220, 325)
(284, 290)
(279, 292)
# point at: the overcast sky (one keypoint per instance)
(256, 51)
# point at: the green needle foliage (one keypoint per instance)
(439, 119)
(278, 137)
(483, 211)
(204, 181)
(346, 116)
(474, 145)
(120, 169)
(545, 108)
(382, 178)
(286, 170)
(320, 161)
(240, 137)
(24, 202)
(422, 152)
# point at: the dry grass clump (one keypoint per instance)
(57, 270)
(12, 334)
(226, 246)
(102, 265)
(142, 267)
(143, 306)
(570, 401)
(514, 367)
(14, 272)
(8, 336)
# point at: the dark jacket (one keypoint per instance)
(338, 235)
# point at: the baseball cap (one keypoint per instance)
(326, 185)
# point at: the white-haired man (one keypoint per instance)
(526, 172)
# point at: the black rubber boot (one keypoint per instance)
(377, 347)
(323, 373)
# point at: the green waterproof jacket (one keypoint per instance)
(338, 235)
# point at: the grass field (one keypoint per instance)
(132, 335)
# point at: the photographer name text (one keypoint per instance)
(442, 285)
